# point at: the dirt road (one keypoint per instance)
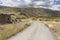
(37, 31)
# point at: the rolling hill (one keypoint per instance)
(30, 12)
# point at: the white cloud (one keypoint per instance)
(49, 4)
(39, 3)
(15, 3)
(27, 1)
(55, 7)
(35, 3)
(9, 3)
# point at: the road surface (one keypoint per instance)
(37, 31)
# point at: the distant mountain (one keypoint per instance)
(40, 12)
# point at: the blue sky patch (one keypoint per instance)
(57, 2)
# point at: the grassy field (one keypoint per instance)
(47, 19)
(9, 30)
(50, 19)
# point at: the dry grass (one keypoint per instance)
(54, 27)
(50, 19)
(9, 30)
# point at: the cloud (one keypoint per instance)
(49, 4)
(55, 7)
(39, 3)
(27, 1)
(15, 3)
(9, 3)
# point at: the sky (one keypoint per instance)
(49, 4)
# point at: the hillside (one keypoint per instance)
(9, 29)
(40, 12)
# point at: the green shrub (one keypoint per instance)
(35, 18)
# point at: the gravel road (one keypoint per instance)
(37, 31)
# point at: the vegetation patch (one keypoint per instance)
(8, 30)
(46, 19)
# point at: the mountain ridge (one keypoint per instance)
(40, 12)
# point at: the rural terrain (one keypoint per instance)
(48, 17)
